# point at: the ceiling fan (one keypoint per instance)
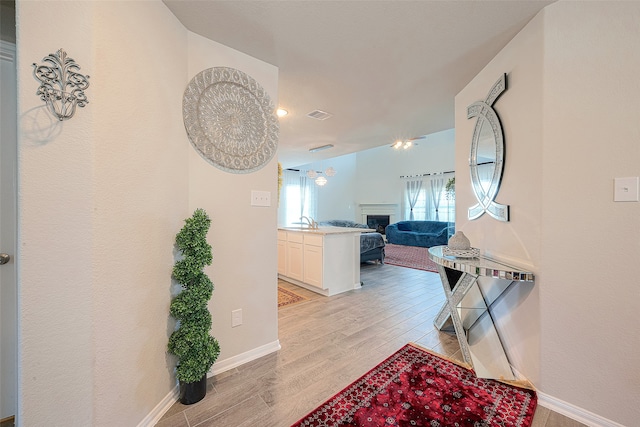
(405, 144)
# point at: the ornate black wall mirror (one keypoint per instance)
(487, 155)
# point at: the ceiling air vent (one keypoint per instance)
(319, 115)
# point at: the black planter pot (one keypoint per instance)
(193, 392)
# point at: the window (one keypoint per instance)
(419, 209)
(298, 198)
(425, 205)
(446, 208)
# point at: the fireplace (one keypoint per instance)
(378, 215)
(378, 222)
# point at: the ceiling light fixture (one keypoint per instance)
(281, 112)
(319, 115)
(322, 147)
(402, 144)
(320, 179)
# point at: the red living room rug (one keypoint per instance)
(414, 387)
(409, 256)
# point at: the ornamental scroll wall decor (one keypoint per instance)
(230, 120)
(61, 86)
(487, 155)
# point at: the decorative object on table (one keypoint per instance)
(459, 241)
(415, 257)
(487, 155)
(460, 246)
(230, 120)
(416, 387)
(287, 297)
(61, 85)
(191, 343)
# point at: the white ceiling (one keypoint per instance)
(386, 70)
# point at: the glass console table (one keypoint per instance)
(472, 286)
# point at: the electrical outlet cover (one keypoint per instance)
(626, 189)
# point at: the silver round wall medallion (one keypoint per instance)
(230, 120)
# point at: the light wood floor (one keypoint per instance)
(327, 343)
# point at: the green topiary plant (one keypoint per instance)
(190, 342)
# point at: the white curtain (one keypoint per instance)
(308, 197)
(298, 198)
(413, 191)
(437, 184)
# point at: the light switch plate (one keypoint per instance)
(260, 198)
(236, 318)
(626, 189)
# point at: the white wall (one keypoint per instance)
(140, 181)
(570, 121)
(244, 269)
(591, 245)
(335, 199)
(55, 227)
(101, 198)
(517, 241)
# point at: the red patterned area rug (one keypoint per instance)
(414, 387)
(287, 297)
(409, 256)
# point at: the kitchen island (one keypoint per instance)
(325, 260)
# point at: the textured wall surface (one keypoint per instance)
(55, 227)
(570, 129)
(516, 241)
(243, 236)
(101, 199)
(591, 244)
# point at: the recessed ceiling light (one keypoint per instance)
(281, 112)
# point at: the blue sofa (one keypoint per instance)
(371, 244)
(420, 233)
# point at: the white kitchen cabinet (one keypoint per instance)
(312, 261)
(324, 260)
(295, 256)
(282, 252)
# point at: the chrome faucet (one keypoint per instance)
(310, 221)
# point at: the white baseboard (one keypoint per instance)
(172, 397)
(574, 412)
(241, 359)
(161, 408)
(567, 409)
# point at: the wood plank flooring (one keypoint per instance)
(327, 343)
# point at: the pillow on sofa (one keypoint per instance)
(403, 226)
(342, 223)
